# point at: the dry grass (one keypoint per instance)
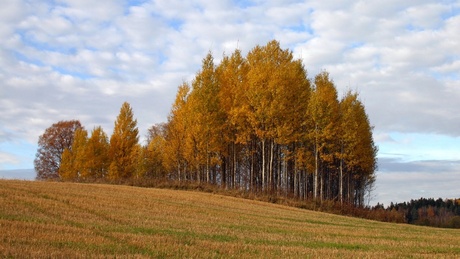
(49, 219)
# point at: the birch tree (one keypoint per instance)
(323, 112)
(176, 135)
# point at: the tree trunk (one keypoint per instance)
(341, 178)
(315, 176)
(321, 184)
(207, 163)
(285, 175)
(252, 165)
(224, 170)
(234, 166)
(263, 164)
(270, 167)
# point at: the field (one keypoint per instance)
(49, 219)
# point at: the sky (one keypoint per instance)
(81, 59)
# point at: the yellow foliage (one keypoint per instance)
(123, 150)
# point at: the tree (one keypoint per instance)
(67, 166)
(358, 152)
(96, 155)
(123, 150)
(51, 146)
(349, 140)
(232, 78)
(152, 154)
(74, 159)
(323, 111)
(208, 119)
(260, 96)
(175, 135)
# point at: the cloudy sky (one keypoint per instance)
(81, 59)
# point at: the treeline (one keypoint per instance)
(254, 123)
(427, 212)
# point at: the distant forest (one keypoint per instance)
(427, 212)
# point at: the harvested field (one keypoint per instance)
(51, 219)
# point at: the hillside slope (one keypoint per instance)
(43, 219)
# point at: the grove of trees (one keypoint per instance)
(255, 123)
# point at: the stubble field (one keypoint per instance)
(50, 219)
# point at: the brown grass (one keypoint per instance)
(50, 219)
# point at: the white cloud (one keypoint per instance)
(80, 10)
(427, 16)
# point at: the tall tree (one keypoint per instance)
(96, 155)
(153, 153)
(51, 146)
(208, 119)
(358, 152)
(260, 96)
(74, 159)
(232, 77)
(323, 111)
(66, 170)
(278, 93)
(176, 134)
(123, 150)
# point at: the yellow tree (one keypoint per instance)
(278, 93)
(96, 155)
(260, 95)
(123, 149)
(66, 170)
(139, 156)
(232, 77)
(176, 135)
(292, 91)
(207, 119)
(358, 151)
(323, 111)
(153, 153)
(73, 163)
